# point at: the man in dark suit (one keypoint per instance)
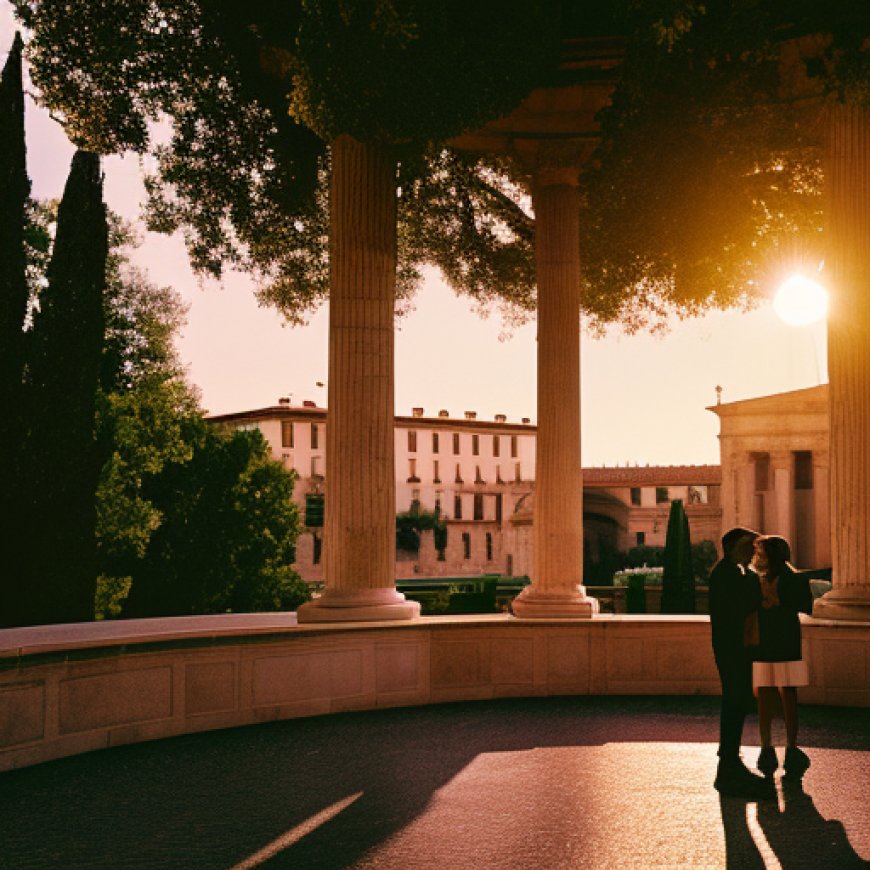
(734, 594)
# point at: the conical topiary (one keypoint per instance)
(678, 579)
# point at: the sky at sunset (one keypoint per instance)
(644, 396)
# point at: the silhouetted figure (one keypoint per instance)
(734, 594)
(778, 667)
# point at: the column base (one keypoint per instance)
(851, 604)
(358, 605)
(532, 604)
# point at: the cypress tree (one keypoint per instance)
(678, 579)
(14, 191)
(62, 456)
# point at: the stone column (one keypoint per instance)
(847, 261)
(821, 510)
(747, 514)
(556, 590)
(359, 535)
(782, 474)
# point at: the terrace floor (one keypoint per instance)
(543, 783)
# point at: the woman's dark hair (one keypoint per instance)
(778, 553)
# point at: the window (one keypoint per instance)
(466, 545)
(498, 474)
(496, 445)
(514, 447)
(438, 495)
(477, 476)
(314, 510)
(762, 471)
(412, 470)
(317, 549)
(635, 495)
(498, 508)
(314, 436)
(458, 478)
(518, 472)
(436, 477)
(803, 469)
(412, 441)
(287, 433)
(478, 506)
(457, 507)
(696, 495)
(315, 466)
(455, 443)
(434, 442)
(415, 500)
(640, 539)
(287, 460)
(661, 495)
(488, 546)
(475, 445)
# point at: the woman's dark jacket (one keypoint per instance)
(779, 627)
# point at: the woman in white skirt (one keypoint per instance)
(779, 667)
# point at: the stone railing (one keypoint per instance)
(70, 689)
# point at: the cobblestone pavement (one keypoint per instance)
(542, 783)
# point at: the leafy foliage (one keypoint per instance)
(150, 429)
(412, 522)
(707, 182)
(226, 536)
(205, 91)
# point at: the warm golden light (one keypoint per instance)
(800, 301)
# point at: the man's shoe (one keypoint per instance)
(796, 762)
(767, 761)
(734, 779)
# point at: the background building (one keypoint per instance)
(775, 468)
(479, 474)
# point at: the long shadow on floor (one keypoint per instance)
(216, 799)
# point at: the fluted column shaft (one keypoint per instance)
(847, 260)
(360, 510)
(556, 589)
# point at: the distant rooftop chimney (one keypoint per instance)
(309, 404)
(444, 413)
(417, 412)
(526, 420)
(500, 418)
(284, 400)
(471, 415)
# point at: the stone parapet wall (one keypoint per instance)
(71, 689)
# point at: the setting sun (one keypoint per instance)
(800, 301)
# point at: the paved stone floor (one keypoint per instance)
(543, 783)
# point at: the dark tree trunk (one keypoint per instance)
(14, 191)
(63, 462)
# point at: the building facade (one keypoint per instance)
(775, 469)
(479, 475)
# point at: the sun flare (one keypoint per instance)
(800, 301)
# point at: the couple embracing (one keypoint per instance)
(755, 598)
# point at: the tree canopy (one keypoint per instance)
(707, 182)
(234, 105)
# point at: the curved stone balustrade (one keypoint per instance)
(73, 688)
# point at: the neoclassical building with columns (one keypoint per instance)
(775, 469)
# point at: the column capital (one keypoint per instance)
(781, 458)
(556, 176)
